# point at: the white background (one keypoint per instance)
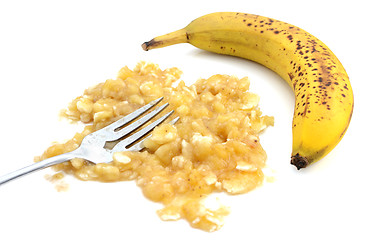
(50, 51)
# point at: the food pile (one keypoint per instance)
(214, 147)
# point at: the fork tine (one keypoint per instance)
(130, 117)
(139, 145)
(135, 125)
(122, 146)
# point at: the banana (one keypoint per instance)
(323, 94)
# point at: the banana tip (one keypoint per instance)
(145, 46)
(149, 45)
(299, 161)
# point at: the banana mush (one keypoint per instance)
(323, 94)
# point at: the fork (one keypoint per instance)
(99, 146)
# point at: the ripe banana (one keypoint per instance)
(323, 94)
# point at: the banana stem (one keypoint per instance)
(172, 38)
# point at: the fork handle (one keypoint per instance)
(37, 166)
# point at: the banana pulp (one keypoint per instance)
(323, 94)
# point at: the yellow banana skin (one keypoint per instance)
(323, 94)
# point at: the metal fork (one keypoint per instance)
(95, 146)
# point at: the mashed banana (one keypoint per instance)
(214, 147)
